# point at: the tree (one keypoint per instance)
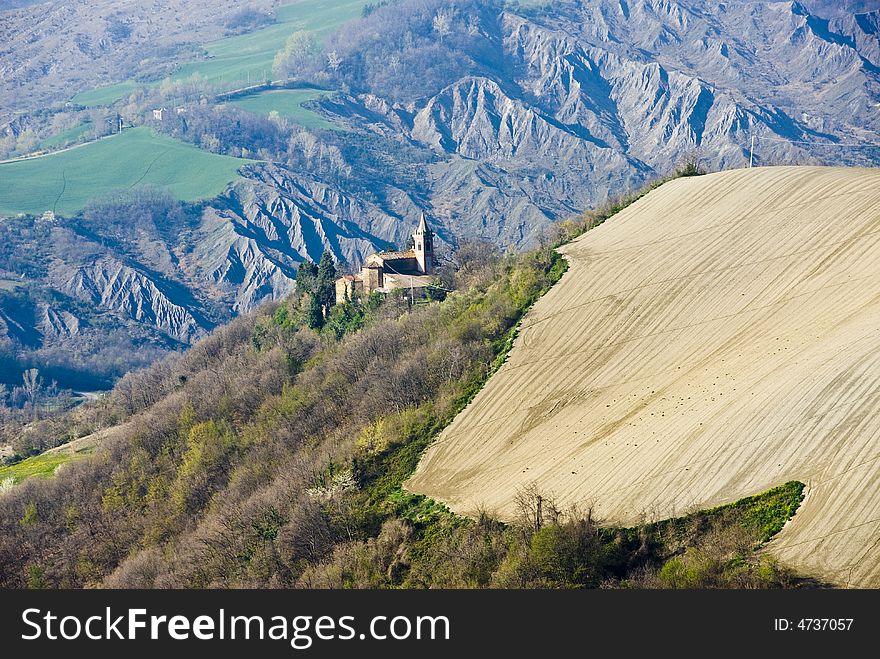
(334, 61)
(297, 57)
(306, 276)
(443, 23)
(210, 143)
(473, 26)
(315, 315)
(32, 384)
(325, 289)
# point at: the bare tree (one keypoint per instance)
(334, 61)
(473, 26)
(531, 504)
(32, 384)
(443, 23)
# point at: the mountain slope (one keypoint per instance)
(540, 112)
(718, 337)
(516, 118)
(53, 49)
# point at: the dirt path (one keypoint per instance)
(43, 154)
(88, 442)
(719, 337)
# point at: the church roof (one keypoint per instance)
(402, 263)
(394, 256)
(407, 266)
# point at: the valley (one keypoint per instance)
(645, 358)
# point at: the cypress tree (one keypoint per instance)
(325, 286)
(306, 275)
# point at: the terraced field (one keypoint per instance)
(717, 338)
(67, 180)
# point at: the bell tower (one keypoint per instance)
(423, 244)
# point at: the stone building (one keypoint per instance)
(384, 271)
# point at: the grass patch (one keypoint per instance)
(287, 103)
(67, 137)
(40, 466)
(767, 512)
(106, 95)
(65, 182)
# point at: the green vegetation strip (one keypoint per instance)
(66, 137)
(65, 182)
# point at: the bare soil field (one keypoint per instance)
(719, 337)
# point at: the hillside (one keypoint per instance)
(65, 182)
(272, 454)
(718, 337)
(53, 49)
(514, 117)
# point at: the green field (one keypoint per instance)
(66, 137)
(43, 465)
(287, 103)
(105, 95)
(235, 61)
(65, 182)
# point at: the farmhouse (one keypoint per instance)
(385, 271)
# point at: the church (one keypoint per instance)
(385, 271)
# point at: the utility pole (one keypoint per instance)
(752, 151)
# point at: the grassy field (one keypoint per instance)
(65, 182)
(104, 95)
(234, 62)
(248, 57)
(66, 137)
(43, 466)
(287, 103)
